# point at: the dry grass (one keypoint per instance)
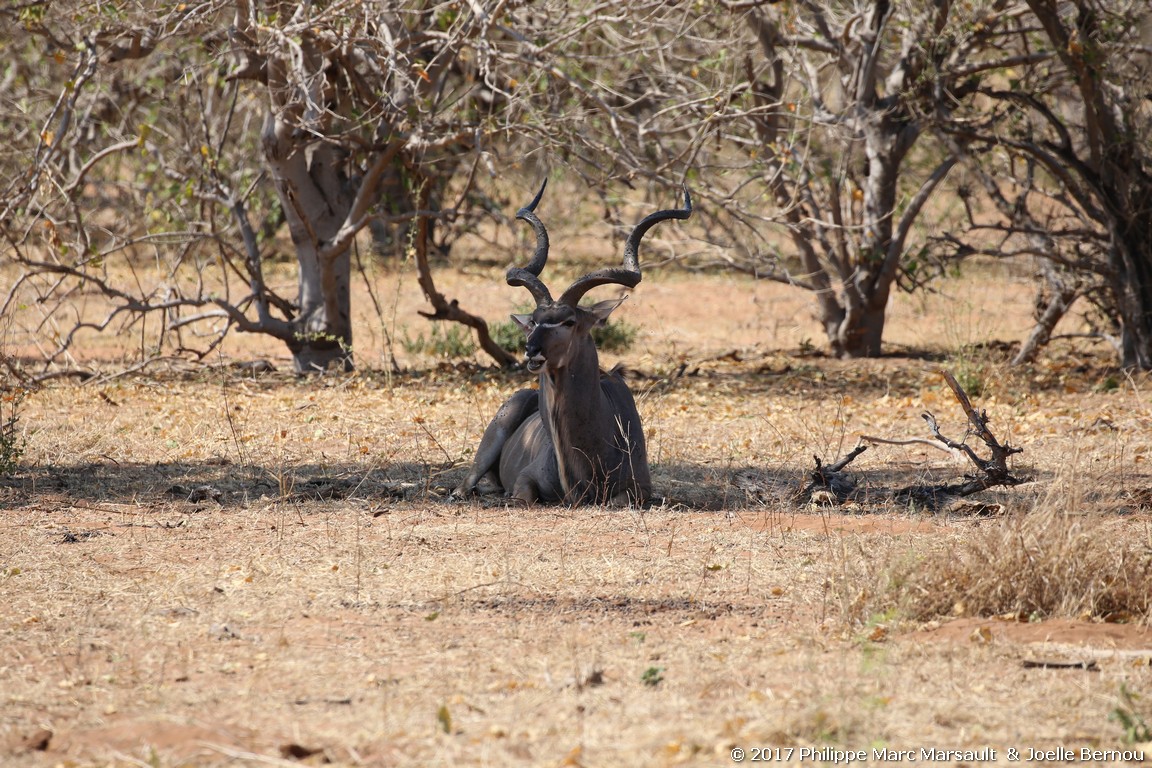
(323, 601)
(1039, 564)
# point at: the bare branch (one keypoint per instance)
(994, 470)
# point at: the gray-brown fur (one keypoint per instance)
(578, 438)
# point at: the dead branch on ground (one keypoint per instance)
(832, 479)
(993, 471)
(834, 485)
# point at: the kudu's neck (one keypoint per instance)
(577, 379)
(573, 403)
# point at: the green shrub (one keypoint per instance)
(1126, 713)
(508, 335)
(11, 442)
(613, 336)
(446, 342)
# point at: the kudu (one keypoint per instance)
(577, 439)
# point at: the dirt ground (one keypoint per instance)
(207, 568)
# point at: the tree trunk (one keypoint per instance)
(1053, 301)
(887, 140)
(865, 339)
(1132, 262)
(315, 195)
(323, 330)
(861, 332)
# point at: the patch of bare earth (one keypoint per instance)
(210, 570)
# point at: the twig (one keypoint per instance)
(873, 440)
(14, 369)
(859, 449)
(830, 478)
(450, 310)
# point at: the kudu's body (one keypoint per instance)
(577, 439)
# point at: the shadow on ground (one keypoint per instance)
(228, 484)
(676, 486)
(221, 483)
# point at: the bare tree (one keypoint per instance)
(1073, 130)
(852, 159)
(816, 136)
(102, 204)
(200, 128)
(809, 129)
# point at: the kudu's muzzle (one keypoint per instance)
(534, 353)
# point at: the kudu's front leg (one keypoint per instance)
(484, 476)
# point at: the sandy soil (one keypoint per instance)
(210, 569)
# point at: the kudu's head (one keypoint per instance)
(560, 331)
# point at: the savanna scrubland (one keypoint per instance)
(209, 566)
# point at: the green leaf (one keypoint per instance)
(444, 717)
(652, 676)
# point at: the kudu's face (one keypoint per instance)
(557, 332)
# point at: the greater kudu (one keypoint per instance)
(577, 439)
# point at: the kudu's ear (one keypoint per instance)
(524, 321)
(601, 309)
